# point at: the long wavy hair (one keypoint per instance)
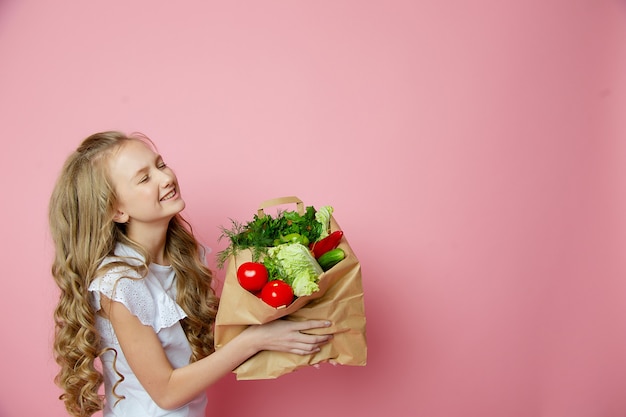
(81, 211)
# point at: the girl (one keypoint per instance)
(135, 291)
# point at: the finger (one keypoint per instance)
(311, 324)
(320, 339)
(304, 349)
(318, 365)
(309, 343)
(311, 338)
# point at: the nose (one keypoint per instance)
(167, 177)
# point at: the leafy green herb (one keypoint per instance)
(263, 232)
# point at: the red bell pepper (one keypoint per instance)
(330, 242)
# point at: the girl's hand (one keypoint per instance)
(287, 336)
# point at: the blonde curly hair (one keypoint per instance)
(81, 215)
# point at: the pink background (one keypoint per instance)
(473, 152)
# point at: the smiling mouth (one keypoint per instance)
(169, 195)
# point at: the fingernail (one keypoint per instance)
(327, 323)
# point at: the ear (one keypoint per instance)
(121, 217)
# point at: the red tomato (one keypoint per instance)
(277, 293)
(252, 276)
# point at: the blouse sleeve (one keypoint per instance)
(144, 299)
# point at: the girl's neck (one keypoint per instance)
(152, 239)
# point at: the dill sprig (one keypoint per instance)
(263, 232)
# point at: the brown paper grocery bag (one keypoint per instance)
(339, 299)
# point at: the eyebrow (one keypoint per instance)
(143, 170)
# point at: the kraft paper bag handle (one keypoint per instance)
(279, 201)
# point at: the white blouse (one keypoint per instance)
(152, 300)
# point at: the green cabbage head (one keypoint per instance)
(296, 266)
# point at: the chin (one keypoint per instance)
(178, 205)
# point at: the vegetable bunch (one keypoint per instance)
(291, 247)
(267, 231)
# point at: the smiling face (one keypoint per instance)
(147, 189)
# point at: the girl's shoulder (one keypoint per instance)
(124, 264)
(137, 290)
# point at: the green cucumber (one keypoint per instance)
(331, 258)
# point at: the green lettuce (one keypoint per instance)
(322, 215)
(295, 265)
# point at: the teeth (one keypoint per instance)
(169, 195)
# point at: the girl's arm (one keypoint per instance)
(172, 388)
